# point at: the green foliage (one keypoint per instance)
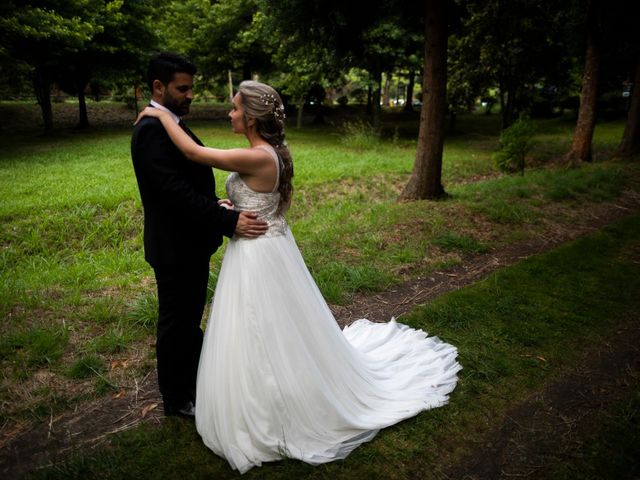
(515, 199)
(465, 81)
(34, 347)
(505, 48)
(515, 143)
(87, 366)
(303, 66)
(450, 240)
(72, 42)
(31, 31)
(114, 340)
(359, 135)
(219, 36)
(614, 449)
(365, 35)
(509, 345)
(143, 311)
(334, 276)
(599, 184)
(71, 225)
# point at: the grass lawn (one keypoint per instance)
(76, 294)
(515, 330)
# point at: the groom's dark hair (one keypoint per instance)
(164, 65)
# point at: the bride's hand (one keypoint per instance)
(225, 203)
(149, 112)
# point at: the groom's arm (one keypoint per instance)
(152, 156)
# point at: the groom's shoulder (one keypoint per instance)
(148, 136)
(148, 123)
(148, 127)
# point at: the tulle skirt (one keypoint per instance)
(278, 378)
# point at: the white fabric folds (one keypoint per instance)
(278, 378)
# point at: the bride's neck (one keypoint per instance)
(255, 139)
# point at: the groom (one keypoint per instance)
(183, 226)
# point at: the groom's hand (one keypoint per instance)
(249, 226)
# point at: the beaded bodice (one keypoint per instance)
(265, 204)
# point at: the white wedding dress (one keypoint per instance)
(278, 378)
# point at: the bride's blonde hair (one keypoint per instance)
(262, 102)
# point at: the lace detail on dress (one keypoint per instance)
(265, 204)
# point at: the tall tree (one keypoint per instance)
(514, 46)
(115, 53)
(626, 44)
(408, 105)
(383, 49)
(373, 38)
(302, 66)
(426, 178)
(581, 146)
(630, 144)
(40, 33)
(222, 36)
(465, 81)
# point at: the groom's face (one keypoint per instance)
(178, 94)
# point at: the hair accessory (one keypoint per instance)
(271, 100)
(268, 98)
(279, 112)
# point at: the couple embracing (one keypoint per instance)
(273, 376)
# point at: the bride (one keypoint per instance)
(277, 377)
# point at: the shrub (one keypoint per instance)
(85, 367)
(515, 143)
(144, 311)
(454, 241)
(360, 135)
(37, 346)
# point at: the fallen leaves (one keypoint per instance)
(120, 394)
(147, 408)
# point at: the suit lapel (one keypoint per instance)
(189, 132)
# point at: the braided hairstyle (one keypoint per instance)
(263, 103)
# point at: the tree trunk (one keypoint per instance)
(426, 178)
(453, 117)
(583, 135)
(83, 117)
(408, 105)
(376, 109)
(318, 118)
(42, 89)
(502, 99)
(300, 110)
(230, 86)
(135, 99)
(369, 101)
(509, 106)
(630, 144)
(387, 89)
(246, 72)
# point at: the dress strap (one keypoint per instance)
(276, 158)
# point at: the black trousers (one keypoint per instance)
(182, 293)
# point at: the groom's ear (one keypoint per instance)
(158, 87)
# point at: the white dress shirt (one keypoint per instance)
(165, 109)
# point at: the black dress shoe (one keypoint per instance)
(187, 410)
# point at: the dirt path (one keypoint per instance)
(92, 423)
(552, 424)
(402, 298)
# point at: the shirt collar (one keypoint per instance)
(165, 109)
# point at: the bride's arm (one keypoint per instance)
(241, 160)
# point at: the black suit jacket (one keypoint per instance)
(182, 219)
